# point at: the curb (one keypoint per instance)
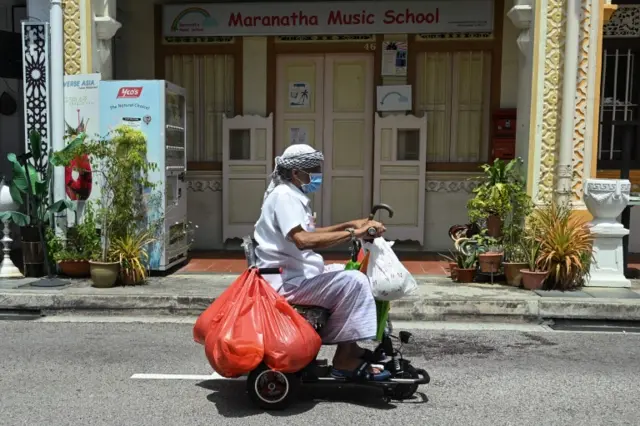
(411, 309)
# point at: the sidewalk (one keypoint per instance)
(437, 298)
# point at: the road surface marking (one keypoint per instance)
(214, 376)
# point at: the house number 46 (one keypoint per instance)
(370, 46)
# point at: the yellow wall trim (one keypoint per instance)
(607, 11)
(72, 37)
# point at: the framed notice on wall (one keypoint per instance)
(394, 58)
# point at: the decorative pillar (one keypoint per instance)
(35, 65)
(542, 25)
(104, 28)
(73, 50)
(587, 99)
(541, 92)
(605, 199)
(521, 14)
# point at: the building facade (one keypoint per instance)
(317, 68)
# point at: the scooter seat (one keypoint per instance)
(317, 316)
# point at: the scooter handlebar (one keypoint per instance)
(377, 207)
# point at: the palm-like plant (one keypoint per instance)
(131, 251)
(565, 246)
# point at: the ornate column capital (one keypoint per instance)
(521, 14)
(106, 27)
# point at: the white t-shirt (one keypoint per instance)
(285, 209)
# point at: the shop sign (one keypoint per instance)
(324, 18)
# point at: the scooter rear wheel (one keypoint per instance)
(270, 389)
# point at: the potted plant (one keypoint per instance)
(489, 253)
(466, 267)
(451, 261)
(30, 189)
(82, 243)
(495, 195)
(132, 253)
(566, 246)
(533, 275)
(515, 260)
(121, 162)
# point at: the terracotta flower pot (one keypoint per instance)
(512, 272)
(490, 262)
(104, 274)
(75, 268)
(494, 226)
(465, 275)
(533, 280)
(453, 266)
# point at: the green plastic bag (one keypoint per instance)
(382, 306)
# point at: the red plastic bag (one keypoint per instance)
(220, 305)
(250, 323)
(290, 342)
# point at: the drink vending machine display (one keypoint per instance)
(158, 109)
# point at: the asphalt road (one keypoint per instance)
(80, 374)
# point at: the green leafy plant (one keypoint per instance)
(531, 251)
(466, 261)
(82, 241)
(502, 193)
(566, 246)
(514, 253)
(123, 169)
(486, 244)
(131, 252)
(30, 188)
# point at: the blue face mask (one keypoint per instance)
(314, 184)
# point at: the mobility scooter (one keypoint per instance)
(274, 390)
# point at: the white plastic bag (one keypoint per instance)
(390, 280)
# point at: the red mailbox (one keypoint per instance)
(503, 143)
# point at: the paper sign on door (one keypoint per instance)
(298, 135)
(299, 94)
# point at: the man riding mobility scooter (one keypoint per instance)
(275, 390)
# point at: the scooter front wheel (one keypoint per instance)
(270, 389)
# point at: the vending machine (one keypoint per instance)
(158, 109)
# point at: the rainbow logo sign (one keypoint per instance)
(193, 12)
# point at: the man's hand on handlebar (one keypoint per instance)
(359, 223)
(371, 229)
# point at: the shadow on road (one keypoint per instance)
(232, 401)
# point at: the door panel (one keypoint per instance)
(300, 118)
(399, 171)
(348, 136)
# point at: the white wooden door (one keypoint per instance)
(399, 173)
(348, 136)
(299, 106)
(335, 117)
(246, 169)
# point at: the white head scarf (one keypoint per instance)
(299, 157)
